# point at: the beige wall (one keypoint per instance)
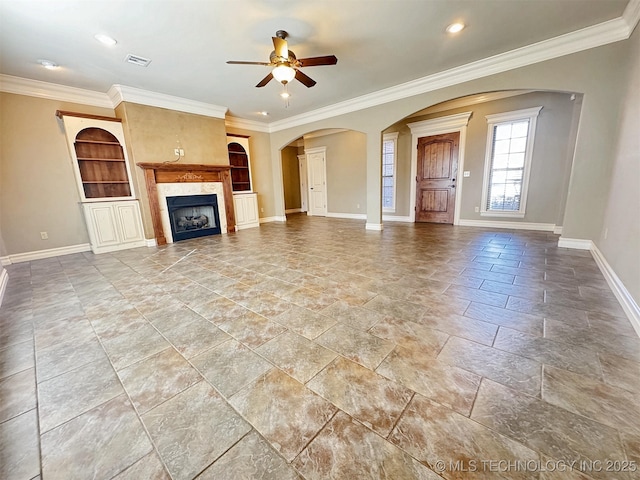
(38, 191)
(153, 133)
(597, 73)
(619, 240)
(291, 178)
(549, 167)
(346, 170)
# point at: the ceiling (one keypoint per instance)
(379, 43)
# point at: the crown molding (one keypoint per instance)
(241, 123)
(470, 100)
(584, 39)
(631, 15)
(122, 93)
(53, 91)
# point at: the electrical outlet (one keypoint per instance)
(357, 205)
(477, 209)
(182, 152)
(44, 235)
(466, 173)
(176, 152)
(261, 210)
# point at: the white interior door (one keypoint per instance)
(304, 200)
(316, 165)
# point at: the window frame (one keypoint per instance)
(390, 137)
(530, 114)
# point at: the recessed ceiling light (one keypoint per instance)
(105, 39)
(264, 114)
(48, 64)
(455, 27)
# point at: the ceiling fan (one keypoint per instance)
(285, 65)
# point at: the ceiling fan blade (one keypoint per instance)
(234, 62)
(315, 61)
(265, 80)
(304, 79)
(280, 46)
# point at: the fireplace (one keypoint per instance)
(193, 216)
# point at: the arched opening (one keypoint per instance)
(324, 174)
(476, 166)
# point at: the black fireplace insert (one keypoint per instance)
(193, 216)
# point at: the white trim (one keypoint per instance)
(631, 15)
(40, 254)
(575, 243)
(530, 114)
(438, 126)
(151, 242)
(276, 218)
(53, 91)
(123, 93)
(392, 137)
(543, 227)
(293, 210)
(353, 216)
(396, 218)
(557, 230)
(374, 226)
(628, 304)
(4, 281)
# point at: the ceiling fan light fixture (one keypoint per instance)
(455, 27)
(283, 73)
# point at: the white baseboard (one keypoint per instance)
(40, 254)
(276, 218)
(396, 218)
(373, 226)
(293, 210)
(558, 230)
(352, 216)
(151, 242)
(4, 280)
(544, 227)
(249, 225)
(627, 302)
(575, 243)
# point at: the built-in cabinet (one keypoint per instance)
(101, 167)
(246, 208)
(113, 225)
(245, 200)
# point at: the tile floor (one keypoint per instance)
(319, 350)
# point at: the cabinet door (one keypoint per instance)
(251, 209)
(239, 205)
(128, 216)
(102, 225)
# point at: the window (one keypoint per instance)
(508, 161)
(389, 155)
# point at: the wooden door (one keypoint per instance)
(317, 184)
(436, 178)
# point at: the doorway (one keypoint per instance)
(437, 171)
(438, 146)
(317, 174)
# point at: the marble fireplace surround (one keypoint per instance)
(210, 178)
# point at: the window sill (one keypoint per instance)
(503, 214)
(389, 210)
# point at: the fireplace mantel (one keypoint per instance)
(155, 173)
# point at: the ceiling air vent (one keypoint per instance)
(137, 60)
